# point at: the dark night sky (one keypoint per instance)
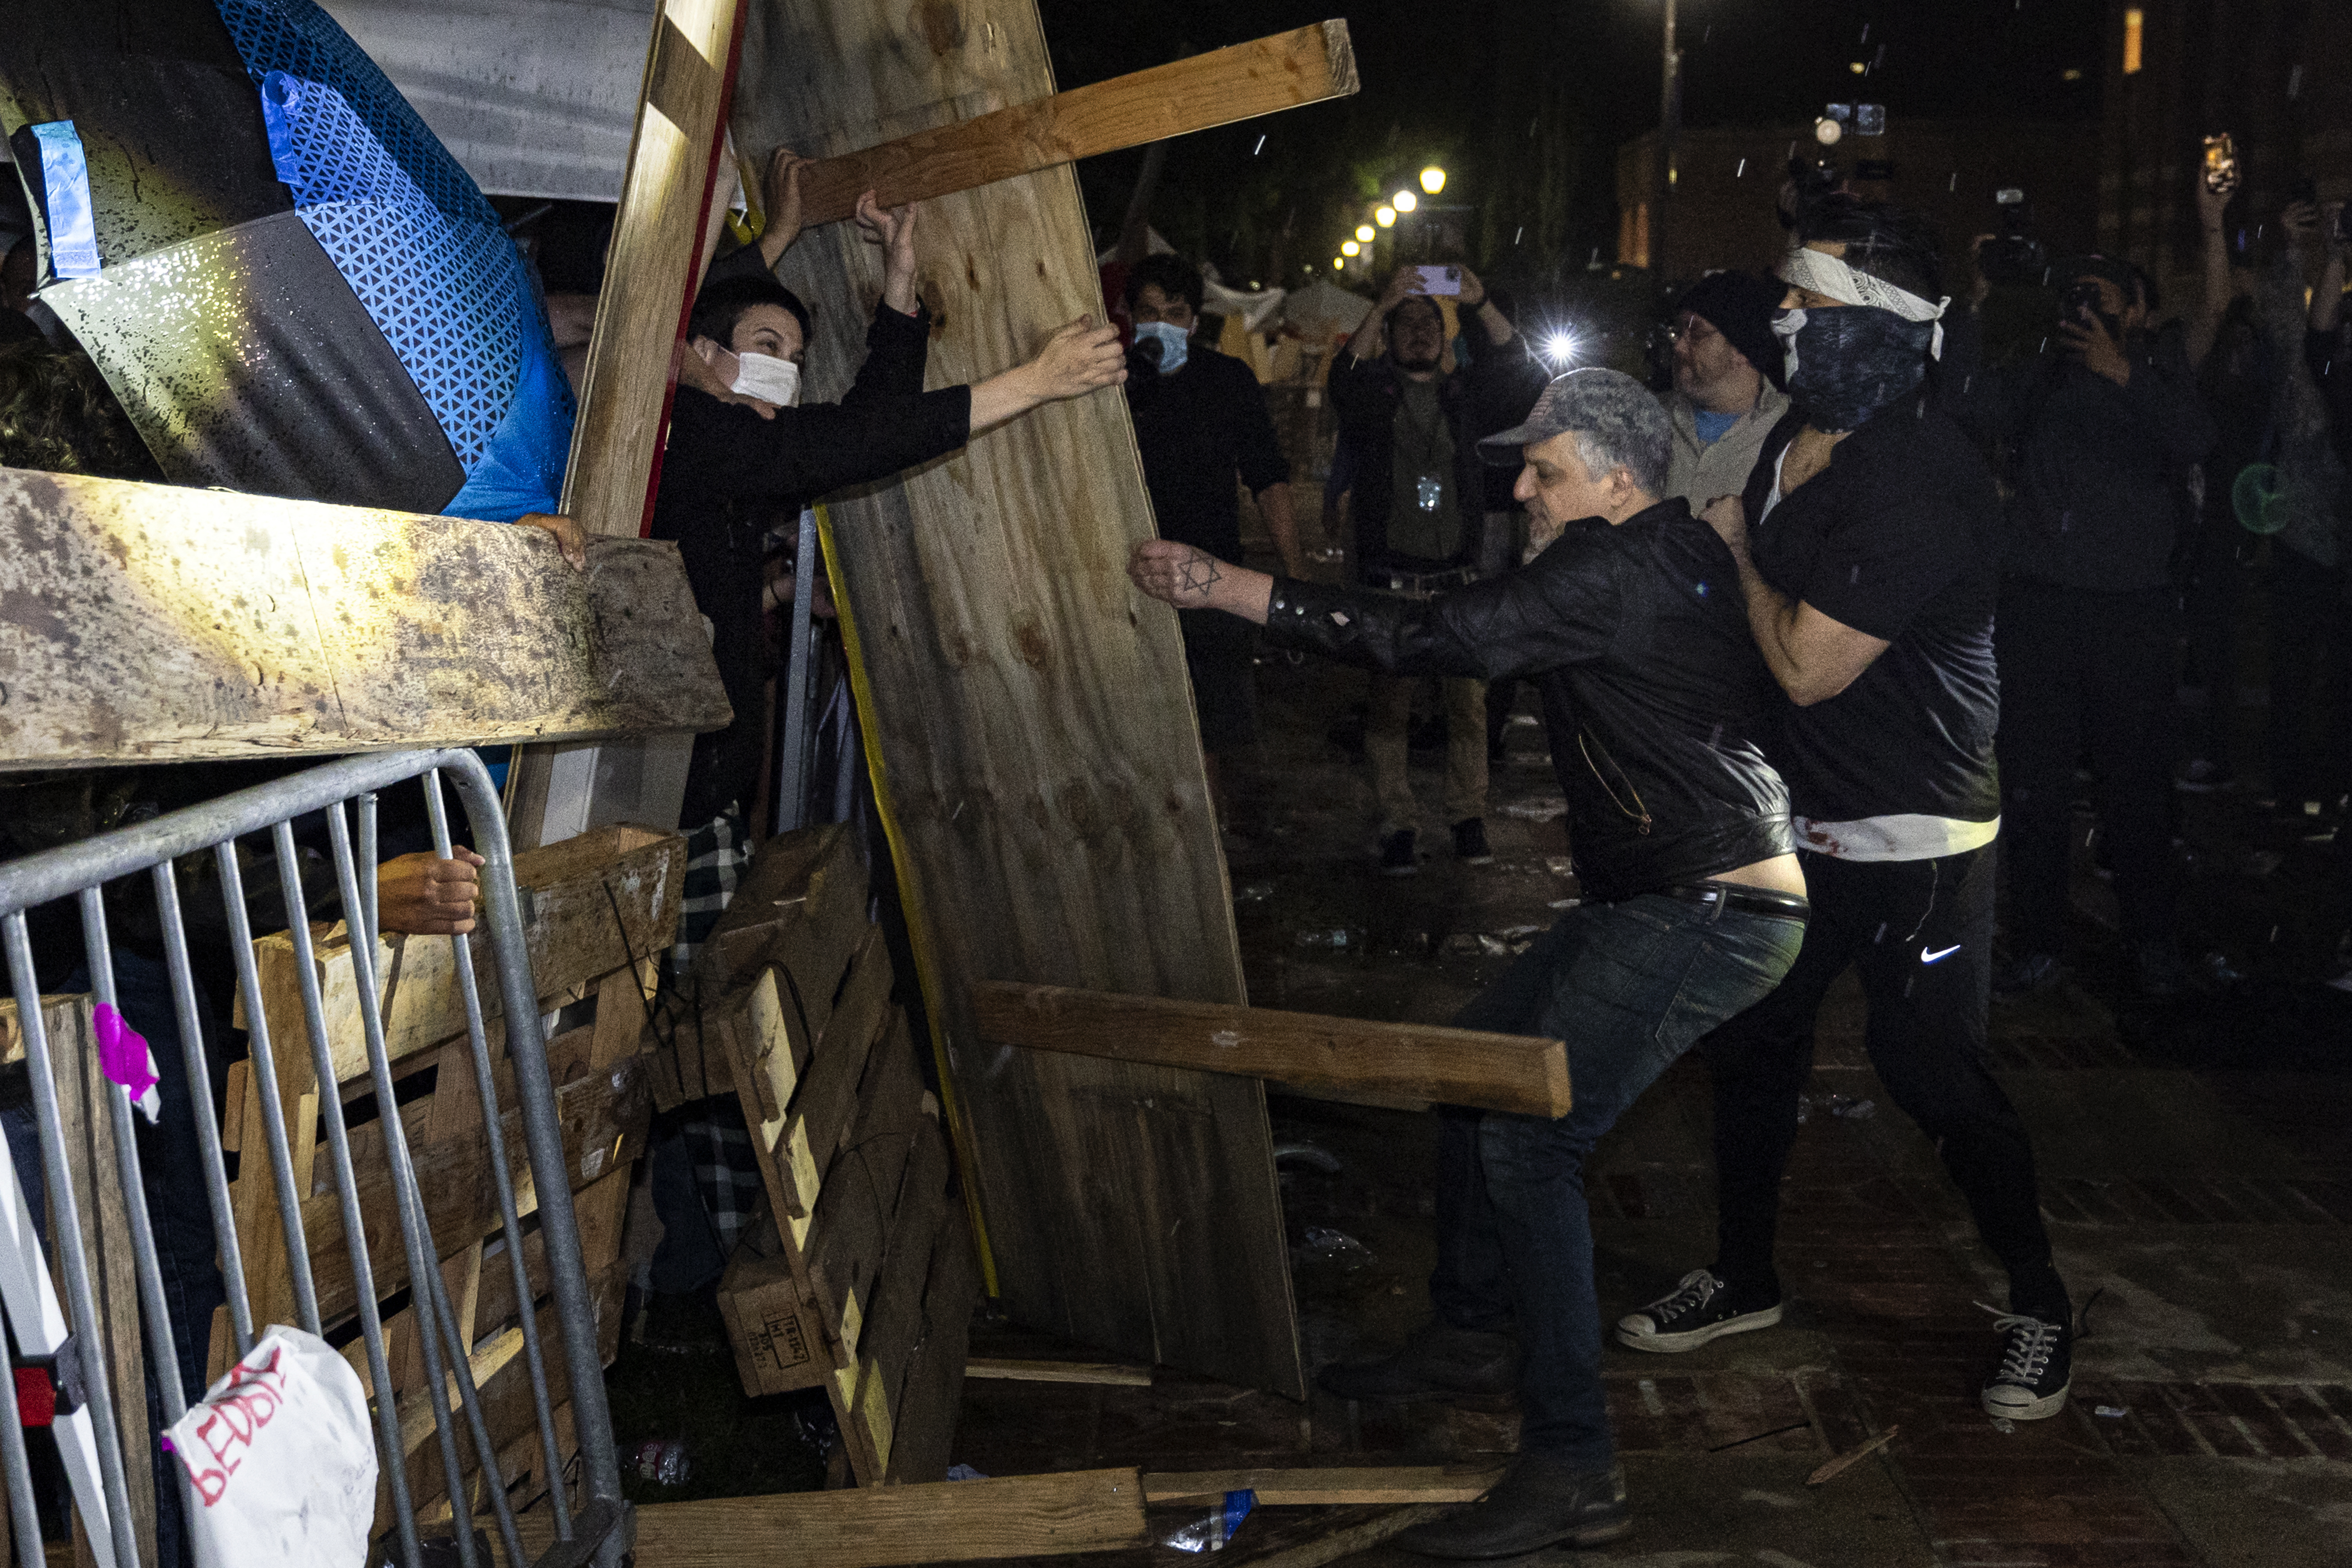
(1436, 79)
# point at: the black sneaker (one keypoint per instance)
(1397, 856)
(1700, 1310)
(1470, 842)
(2037, 1368)
(2025, 973)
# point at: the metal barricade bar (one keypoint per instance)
(597, 1529)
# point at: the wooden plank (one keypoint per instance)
(155, 623)
(82, 1116)
(858, 1227)
(1349, 1540)
(1306, 65)
(1452, 1066)
(570, 893)
(801, 904)
(603, 1115)
(653, 267)
(953, 1521)
(1029, 723)
(923, 1421)
(796, 1150)
(1014, 1371)
(892, 1330)
(1354, 1484)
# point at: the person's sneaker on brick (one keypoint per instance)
(2037, 1368)
(1703, 1307)
(1542, 1501)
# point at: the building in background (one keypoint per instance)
(2275, 74)
(1728, 181)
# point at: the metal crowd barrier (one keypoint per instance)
(592, 1528)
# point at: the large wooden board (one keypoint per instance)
(1302, 66)
(150, 623)
(1455, 1067)
(1029, 721)
(949, 1522)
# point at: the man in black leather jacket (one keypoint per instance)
(1655, 698)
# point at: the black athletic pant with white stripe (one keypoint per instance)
(1921, 932)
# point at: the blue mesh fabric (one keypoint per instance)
(403, 223)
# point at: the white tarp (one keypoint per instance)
(535, 98)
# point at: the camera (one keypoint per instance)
(2014, 254)
(1809, 182)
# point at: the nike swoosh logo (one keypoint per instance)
(1927, 957)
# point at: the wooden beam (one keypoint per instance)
(1015, 1370)
(879, 1527)
(150, 623)
(1350, 1485)
(1449, 1067)
(1028, 723)
(660, 237)
(1287, 70)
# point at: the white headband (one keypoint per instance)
(1825, 274)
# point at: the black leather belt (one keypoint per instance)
(1722, 896)
(1428, 583)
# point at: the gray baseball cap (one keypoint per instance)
(1608, 404)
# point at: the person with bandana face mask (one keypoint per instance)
(2095, 433)
(1867, 543)
(1200, 420)
(1411, 422)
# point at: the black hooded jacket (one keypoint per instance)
(1654, 696)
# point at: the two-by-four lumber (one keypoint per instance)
(153, 623)
(1013, 1369)
(1305, 64)
(1452, 1067)
(1353, 1484)
(949, 1522)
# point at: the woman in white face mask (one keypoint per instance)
(747, 448)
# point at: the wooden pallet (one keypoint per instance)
(862, 1276)
(601, 910)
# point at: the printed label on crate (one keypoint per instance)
(784, 1340)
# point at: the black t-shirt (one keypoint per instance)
(1899, 537)
(1196, 430)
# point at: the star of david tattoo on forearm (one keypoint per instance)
(1197, 572)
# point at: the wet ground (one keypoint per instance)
(2197, 1172)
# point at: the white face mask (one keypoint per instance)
(767, 378)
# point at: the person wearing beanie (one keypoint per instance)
(1726, 395)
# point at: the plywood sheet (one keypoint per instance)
(1031, 721)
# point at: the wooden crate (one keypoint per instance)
(601, 912)
(861, 1276)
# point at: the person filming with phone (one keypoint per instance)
(1412, 417)
(2094, 436)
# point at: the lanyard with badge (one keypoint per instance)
(1429, 487)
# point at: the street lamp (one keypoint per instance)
(1339, 264)
(1433, 179)
(1385, 217)
(1352, 248)
(1405, 201)
(1365, 233)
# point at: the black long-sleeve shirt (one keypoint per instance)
(728, 474)
(1654, 695)
(1196, 430)
(2099, 471)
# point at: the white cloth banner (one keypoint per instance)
(280, 1459)
(535, 98)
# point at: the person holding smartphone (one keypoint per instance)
(1411, 417)
(2096, 436)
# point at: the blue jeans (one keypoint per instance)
(1630, 987)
